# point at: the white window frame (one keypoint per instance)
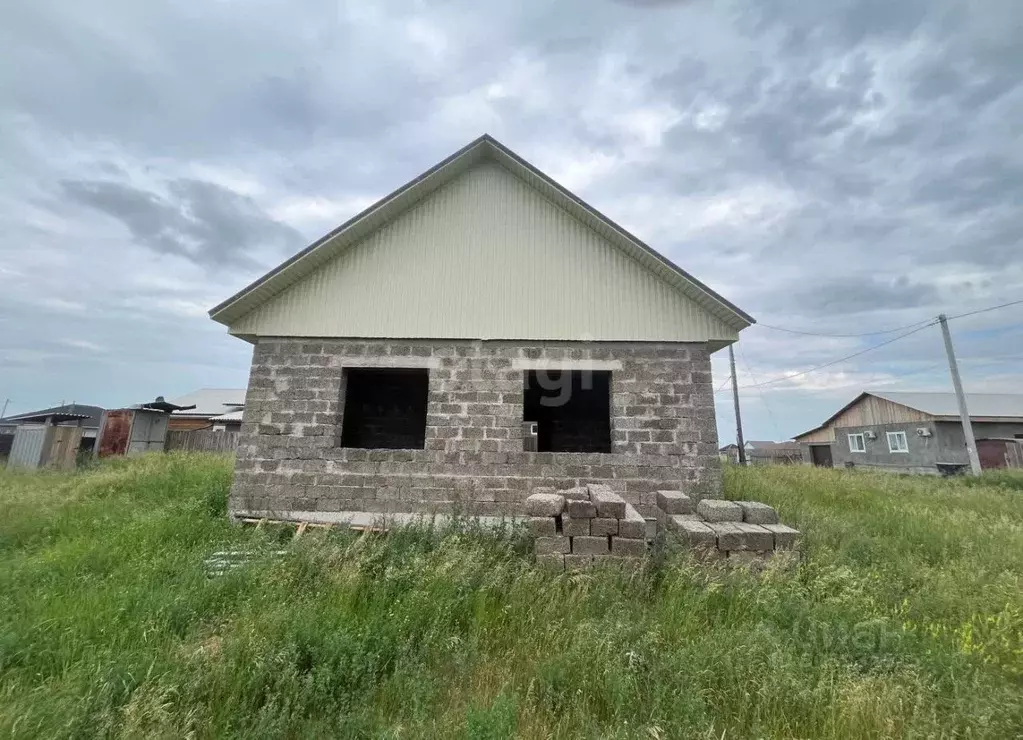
(904, 448)
(863, 443)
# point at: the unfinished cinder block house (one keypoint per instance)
(476, 333)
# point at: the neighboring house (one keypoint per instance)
(210, 403)
(764, 452)
(229, 422)
(729, 452)
(71, 414)
(404, 361)
(916, 432)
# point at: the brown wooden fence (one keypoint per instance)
(202, 440)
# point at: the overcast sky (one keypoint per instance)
(833, 167)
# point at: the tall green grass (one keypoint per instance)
(904, 620)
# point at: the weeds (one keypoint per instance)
(903, 620)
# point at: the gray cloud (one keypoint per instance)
(828, 166)
(854, 295)
(200, 221)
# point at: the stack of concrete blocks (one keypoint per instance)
(585, 526)
(741, 532)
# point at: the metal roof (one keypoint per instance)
(983, 405)
(89, 415)
(485, 147)
(210, 401)
(942, 406)
(767, 446)
(230, 416)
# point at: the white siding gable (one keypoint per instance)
(485, 256)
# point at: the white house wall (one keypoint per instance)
(485, 257)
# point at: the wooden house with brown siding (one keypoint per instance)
(916, 432)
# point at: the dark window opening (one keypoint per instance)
(571, 408)
(385, 409)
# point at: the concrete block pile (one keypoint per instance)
(741, 532)
(585, 526)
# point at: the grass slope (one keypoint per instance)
(905, 620)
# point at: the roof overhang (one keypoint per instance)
(355, 229)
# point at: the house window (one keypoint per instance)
(385, 409)
(571, 408)
(897, 442)
(857, 443)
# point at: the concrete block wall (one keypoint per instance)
(290, 460)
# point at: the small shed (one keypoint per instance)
(134, 430)
(49, 439)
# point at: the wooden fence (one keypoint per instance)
(202, 440)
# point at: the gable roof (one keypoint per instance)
(482, 149)
(942, 406)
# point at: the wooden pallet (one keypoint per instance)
(302, 526)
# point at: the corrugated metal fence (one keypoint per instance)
(202, 440)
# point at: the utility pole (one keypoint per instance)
(4, 412)
(964, 413)
(738, 417)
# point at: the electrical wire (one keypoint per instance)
(985, 310)
(879, 332)
(841, 359)
(843, 336)
(763, 398)
(913, 329)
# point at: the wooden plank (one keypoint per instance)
(202, 440)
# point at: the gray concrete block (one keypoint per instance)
(580, 509)
(755, 512)
(579, 493)
(600, 526)
(628, 547)
(552, 561)
(575, 527)
(633, 525)
(608, 503)
(589, 546)
(694, 533)
(578, 562)
(542, 526)
(716, 510)
(742, 536)
(785, 538)
(553, 545)
(675, 502)
(545, 504)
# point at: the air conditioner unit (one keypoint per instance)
(870, 435)
(923, 432)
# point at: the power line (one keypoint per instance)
(879, 332)
(985, 310)
(844, 336)
(842, 359)
(763, 398)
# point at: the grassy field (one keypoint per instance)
(904, 620)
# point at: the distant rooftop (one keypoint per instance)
(210, 401)
(70, 412)
(944, 404)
